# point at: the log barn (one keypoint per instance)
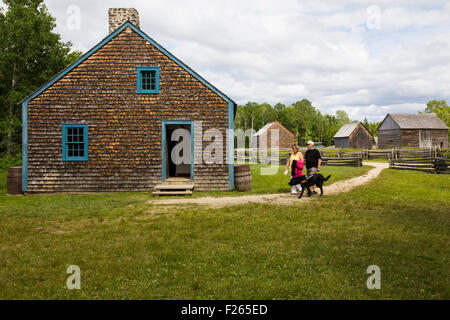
(412, 131)
(273, 134)
(106, 123)
(353, 135)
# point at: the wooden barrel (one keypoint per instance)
(243, 178)
(14, 181)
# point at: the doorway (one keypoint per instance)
(177, 150)
(425, 139)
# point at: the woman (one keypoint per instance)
(296, 156)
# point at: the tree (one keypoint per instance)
(31, 54)
(342, 117)
(304, 120)
(441, 109)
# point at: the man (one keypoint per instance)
(313, 161)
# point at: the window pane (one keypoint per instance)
(75, 143)
(80, 135)
(148, 80)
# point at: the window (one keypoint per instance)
(148, 80)
(75, 142)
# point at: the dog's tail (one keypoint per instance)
(327, 178)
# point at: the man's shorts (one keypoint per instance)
(312, 170)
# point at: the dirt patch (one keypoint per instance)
(285, 199)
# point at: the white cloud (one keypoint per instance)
(283, 51)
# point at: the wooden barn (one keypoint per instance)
(353, 135)
(108, 122)
(273, 134)
(412, 130)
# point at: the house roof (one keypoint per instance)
(128, 24)
(346, 130)
(268, 126)
(264, 129)
(417, 121)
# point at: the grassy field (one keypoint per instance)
(128, 249)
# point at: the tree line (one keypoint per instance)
(304, 120)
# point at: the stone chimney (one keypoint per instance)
(118, 16)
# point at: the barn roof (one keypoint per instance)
(264, 129)
(346, 130)
(268, 126)
(418, 121)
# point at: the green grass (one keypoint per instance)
(129, 249)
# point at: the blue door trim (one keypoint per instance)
(164, 123)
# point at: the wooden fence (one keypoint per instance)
(424, 164)
(429, 159)
(378, 154)
(350, 161)
(387, 154)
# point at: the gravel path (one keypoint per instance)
(287, 199)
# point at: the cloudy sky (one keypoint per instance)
(366, 57)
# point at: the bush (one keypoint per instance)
(10, 161)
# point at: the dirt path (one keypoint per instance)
(287, 199)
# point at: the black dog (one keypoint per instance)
(316, 180)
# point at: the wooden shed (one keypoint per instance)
(273, 134)
(412, 130)
(353, 135)
(111, 120)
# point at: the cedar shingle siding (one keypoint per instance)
(124, 127)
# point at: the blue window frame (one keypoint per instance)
(75, 142)
(147, 80)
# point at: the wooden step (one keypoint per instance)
(178, 181)
(174, 187)
(172, 193)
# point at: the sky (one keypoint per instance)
(368, 58)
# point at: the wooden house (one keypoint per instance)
(107, 122)
(353, 135)
(412, 130)
(273, 134)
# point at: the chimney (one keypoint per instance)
(118, 16)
